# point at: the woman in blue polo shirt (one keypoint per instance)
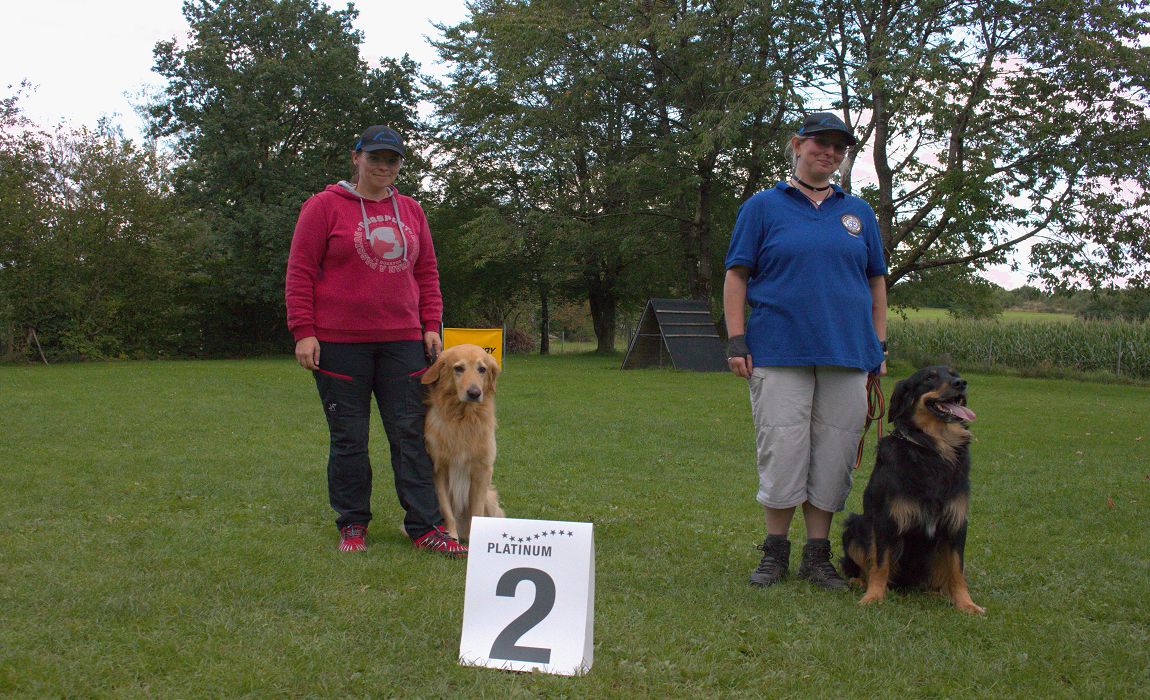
(808, 260)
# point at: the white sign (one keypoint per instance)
(530, 598)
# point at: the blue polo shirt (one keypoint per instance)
(808, 286)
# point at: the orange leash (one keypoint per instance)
(875, 410)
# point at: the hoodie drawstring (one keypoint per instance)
(363, 210)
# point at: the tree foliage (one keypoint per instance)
(613, 133)
(528, 119)
(262, 105)
(997, 123)
(92, 249)
(986, 126)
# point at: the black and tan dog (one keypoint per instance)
(912, 531)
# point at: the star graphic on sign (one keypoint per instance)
(505, 535)
(552, 532)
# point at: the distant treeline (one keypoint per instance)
(972, 297)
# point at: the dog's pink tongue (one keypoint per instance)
(957, 409)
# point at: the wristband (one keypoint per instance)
(737, 347)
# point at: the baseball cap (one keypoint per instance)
(380, 138)
(818, 122)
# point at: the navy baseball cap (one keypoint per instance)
(818, 122)
(380, 138)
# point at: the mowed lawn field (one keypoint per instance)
(165, 533)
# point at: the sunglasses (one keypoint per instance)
(824, 142)
(390, 160)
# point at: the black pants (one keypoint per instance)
(349, 374)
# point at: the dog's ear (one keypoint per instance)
(492, 370)
(900, 401)
(431, 376)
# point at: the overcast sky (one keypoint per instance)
(88, 59)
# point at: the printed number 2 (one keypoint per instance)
(504, 646)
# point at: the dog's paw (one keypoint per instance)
(971, 609)
(871, 598)
(856, 582)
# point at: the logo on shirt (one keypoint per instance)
(385, 243)
(852, 224)
(382, 246)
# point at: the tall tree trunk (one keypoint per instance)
(544, 322)
(884, 208)
(696, 234)
(604, 304)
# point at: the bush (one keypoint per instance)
(518, 341)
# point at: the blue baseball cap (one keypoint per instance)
(380, 138)
(818, 122)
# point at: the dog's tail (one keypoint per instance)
(493, 509)
(856, 543)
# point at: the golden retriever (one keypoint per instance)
(460, 435)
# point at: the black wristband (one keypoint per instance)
(737, 346)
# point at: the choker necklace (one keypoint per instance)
(814, 202)
(811, 187)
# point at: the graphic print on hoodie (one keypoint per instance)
(352, 276)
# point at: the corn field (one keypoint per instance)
(1120, 348)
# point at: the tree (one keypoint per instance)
(997, 123)
(637, 120)
(25, 193)
(963, 295)
(263, 104)
(93, 251)
(724, 82)
(561, 151)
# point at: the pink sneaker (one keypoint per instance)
(351, 538)
(437, 540)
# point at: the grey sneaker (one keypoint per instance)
(817, 568)
(776, 558)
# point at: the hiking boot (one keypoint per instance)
(817, 568)
(776, 551)
(437, 540)
(351, 538)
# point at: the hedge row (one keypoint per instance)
(1121, 348)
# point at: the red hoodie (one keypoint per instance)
(346, 284)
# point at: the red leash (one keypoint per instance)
(875, 410)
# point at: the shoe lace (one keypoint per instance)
(352, 531)
(438, 540)
(820, 565)
(826, 568)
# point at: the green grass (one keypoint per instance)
(166, 534)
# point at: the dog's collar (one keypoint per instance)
(898, 433)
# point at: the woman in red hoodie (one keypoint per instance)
(364, 306)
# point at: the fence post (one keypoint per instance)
(989, 354)
(1118, 370)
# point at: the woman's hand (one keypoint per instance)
(432, 345)
(739, 356)
(307, 352)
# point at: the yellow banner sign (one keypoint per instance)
(490, 339)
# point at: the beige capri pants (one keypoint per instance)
(808, 422)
